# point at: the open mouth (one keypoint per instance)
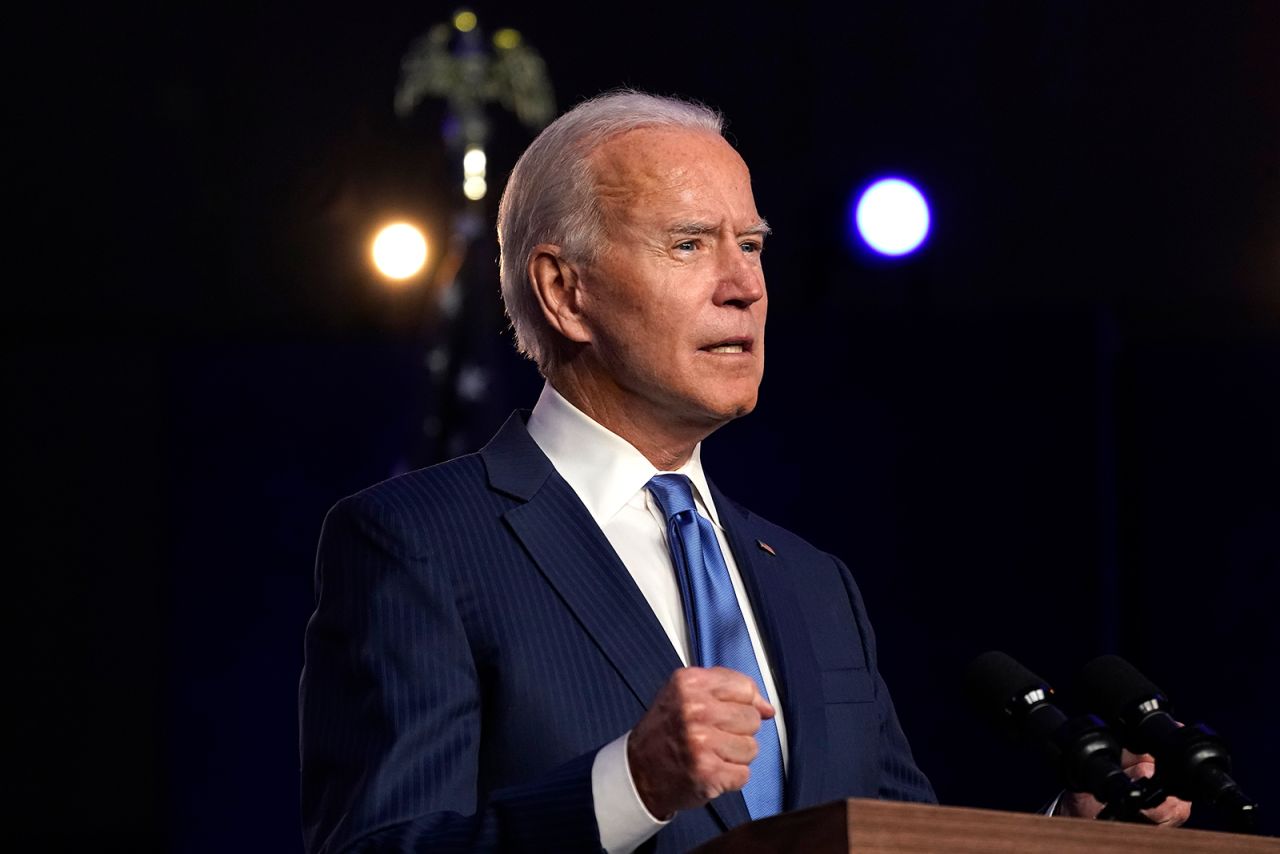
(731, 345)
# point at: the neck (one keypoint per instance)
(665, 444)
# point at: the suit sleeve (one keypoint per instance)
(900, 778)
(390, 710)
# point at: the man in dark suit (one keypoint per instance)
(572, 640)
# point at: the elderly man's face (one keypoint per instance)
(676, 303)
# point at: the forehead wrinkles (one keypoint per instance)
(672, 166)
(625, 172)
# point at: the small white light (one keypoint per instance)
(399, 251)
(892, 217)
(473, 163)
(474, 188)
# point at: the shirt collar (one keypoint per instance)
(604, 469)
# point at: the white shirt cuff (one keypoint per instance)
(623, 820)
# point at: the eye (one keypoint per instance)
(687, 245)
(751, 247)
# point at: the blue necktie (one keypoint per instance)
(717, 631)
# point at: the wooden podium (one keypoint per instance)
(889, 827)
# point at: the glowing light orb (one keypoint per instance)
(464, 20)
(892, 217)
(473, 162)
(399, 251)
(506, 38)
(474, 188)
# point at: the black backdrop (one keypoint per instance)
(1053, 431)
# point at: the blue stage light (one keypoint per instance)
(892, 217)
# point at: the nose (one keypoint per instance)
(740, 278)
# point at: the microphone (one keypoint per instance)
(1192, 760)
(1085, 752)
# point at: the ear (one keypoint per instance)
(557, 286)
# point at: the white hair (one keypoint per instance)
(551, 197)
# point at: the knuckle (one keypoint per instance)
(705, 766)
(692, 713)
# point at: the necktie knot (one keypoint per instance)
(673, 492)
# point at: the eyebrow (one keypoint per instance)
(760, 227)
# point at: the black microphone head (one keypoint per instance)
(1115, 689)
(1193, 761)
(1002, 688)
(1085, 753)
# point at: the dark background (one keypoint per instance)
(1052, 431)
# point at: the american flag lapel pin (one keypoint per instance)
(766, 547)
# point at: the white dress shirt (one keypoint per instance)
(609, 476)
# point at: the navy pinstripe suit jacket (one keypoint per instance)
(476, 640)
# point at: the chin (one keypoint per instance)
(745, 405)
(735, 409)
(717, 409)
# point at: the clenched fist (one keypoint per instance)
(697, 739)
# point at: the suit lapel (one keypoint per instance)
(574, 556)
(578, 561)
(769, 585)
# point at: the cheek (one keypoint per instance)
(634, 345)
